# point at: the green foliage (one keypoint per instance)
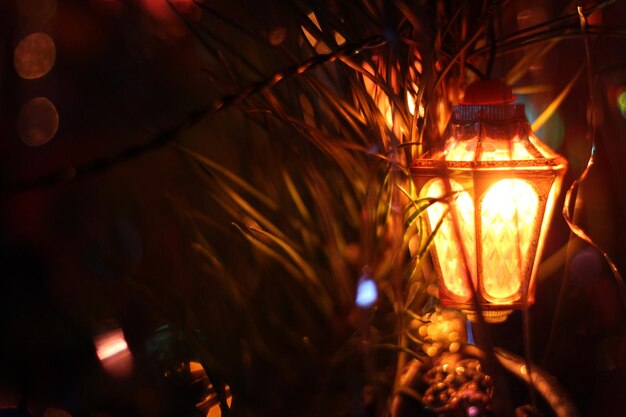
(320, 194)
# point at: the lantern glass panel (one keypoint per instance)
(508, 214)
(451, 258)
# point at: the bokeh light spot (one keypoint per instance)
(473, 411)
(366, 293)
(277, 36)
(37, 121)
(56, 412)
(586, 267)
(112, 350)
(621, 102)
(34, 56)
(162, 10)
(37, 8)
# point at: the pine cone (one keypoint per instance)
(458, 388)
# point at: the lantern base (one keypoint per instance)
(490, 316)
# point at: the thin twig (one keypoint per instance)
(165, 137)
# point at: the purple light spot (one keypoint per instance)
(586, 266)
(372, 150)
(473, 411)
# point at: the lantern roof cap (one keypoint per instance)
(488, 92)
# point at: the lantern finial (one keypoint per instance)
(488, 92)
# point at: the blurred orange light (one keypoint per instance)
(211, 405)
(111, 347)
(34, 56)
(37, 121)
(161, 9)
(112, 350)
(56, 412)
(215, 411)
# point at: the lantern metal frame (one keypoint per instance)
(507, 126)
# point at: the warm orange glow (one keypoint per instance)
(277, 35)
(195, 367)
(34, 56)
(37, 121)
(443, 330)
(504, 183)
(339, 39)
(449, 251)
(319, 46)
(110, 347)
(215, 411)
(382, 101)
(112, 350)
(210, 404)
(162, 10)
(56, 412)
(490, 150)
(378, 95)
(508, 213)
(410, 101)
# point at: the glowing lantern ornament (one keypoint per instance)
(494, 185)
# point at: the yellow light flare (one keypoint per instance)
(502, 150)
(442, 113)
(383, 102)
(450, 253)
(410, 102)
(459, 150)
(508, 213)
(378, 95)
(491, 150)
